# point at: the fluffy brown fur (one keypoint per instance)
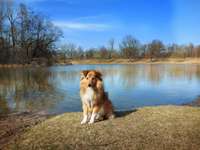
(95, 102)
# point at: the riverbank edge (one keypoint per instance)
(110, 61)
(138, 61)
(31, 65)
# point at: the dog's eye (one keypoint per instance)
(87, 78)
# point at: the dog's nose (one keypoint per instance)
(89, 85)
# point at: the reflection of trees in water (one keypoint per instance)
(184, 71)
(3, 106)
(27, 89)
(129, 76)
(154, 73)
(66, 75)
(40, 79)
(66, 81)
(198, 72)
(126, 75)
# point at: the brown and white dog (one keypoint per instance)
(95, 102)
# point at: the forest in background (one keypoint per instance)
(130, 48)
(27, 36)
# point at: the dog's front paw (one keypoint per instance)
(84, 121)
(91, 121)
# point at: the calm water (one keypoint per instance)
(56, 89)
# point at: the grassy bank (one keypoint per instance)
(163, 127)
(139, 61)
(31, 65)
(111, 61)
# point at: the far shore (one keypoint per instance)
(110, 61)
(31, 65)
(138, 61)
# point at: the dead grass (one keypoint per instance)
(163, 127)
(113, 61)
(139, 61)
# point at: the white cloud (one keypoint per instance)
(82, 26)
(92, 17)
(36, 1)
(69, 2)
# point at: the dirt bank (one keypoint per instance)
(14, 124)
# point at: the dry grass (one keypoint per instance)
(163, 127)
(140, 61)
(114, 61)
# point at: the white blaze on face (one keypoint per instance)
(88, 97)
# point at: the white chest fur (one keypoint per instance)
(88, 97)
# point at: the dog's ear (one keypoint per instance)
(84, 73)
(98, 75)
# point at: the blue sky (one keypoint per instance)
(91, 23)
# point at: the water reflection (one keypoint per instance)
(26, 90)
(56, 89)
(153, 74)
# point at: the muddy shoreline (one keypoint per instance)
(195, 103)
(14, 124)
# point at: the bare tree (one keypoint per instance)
(11, 16)
(104, 53)
(2, 41)
(69, 50)
(2, 17)
(129, 47)
(111, 44)
(80, 53)
(155, 48)
(24, 34)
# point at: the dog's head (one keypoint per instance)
(91, 77)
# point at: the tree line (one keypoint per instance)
(25, 35)
(130, 48)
